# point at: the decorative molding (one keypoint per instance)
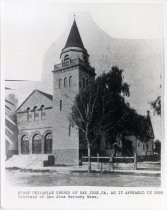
(28, 129)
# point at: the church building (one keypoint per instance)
(43, 122)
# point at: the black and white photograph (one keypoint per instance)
(83, 102)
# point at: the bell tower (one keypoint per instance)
(69, 77)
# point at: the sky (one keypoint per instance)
(29, 28)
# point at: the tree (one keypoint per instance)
(100, 109)
(156, 105)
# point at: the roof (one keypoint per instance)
(74, 38)
(41, 92)
(46, 94)
(149, 123)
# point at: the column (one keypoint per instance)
(42, 144)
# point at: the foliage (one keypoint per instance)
(156, 105)
(101, 110)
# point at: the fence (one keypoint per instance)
(111, 161)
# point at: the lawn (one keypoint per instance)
(113, 179)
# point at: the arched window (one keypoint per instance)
(87, 82)
(48, 136)
(37, 137)
(25, 138)
(66, 58)
(28, 114)
(48, 143)
(60, 83)
(70, 81)
(61, 105)
(24, 144)
(83, 81)
(36, 114)
(90, 82)
(43, 112)
(36, 144)
(65, 82)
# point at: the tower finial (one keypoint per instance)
(74, 17)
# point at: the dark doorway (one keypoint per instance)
(48, 143)
(25, 145)
(127, 148)
(36, 144)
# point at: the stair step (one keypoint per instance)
(26, 161)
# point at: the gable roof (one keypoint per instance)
(74, 38)
(36, 90)
(46, 94)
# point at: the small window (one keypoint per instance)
(29, 114)
(83, 81)
(60, 105)
(36, 114)
(87, 82)
(65, 82)
(43, 112)
(70, 81)
(60, 83)
(90, 82)
(143, 147)
(66, 58)
(138, 143)
(69, 130)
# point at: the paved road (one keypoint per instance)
(25, 178)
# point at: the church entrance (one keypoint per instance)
(48, 143)
(36, 144)
(25, 145)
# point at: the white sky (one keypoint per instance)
(30, 27)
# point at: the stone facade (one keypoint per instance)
(34, 118)
(39, 116)
(69, 77)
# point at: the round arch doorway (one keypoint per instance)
(36, 144)
(48, 143)
(24, 145)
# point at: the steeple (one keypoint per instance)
(74, 48)
(74, 38)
